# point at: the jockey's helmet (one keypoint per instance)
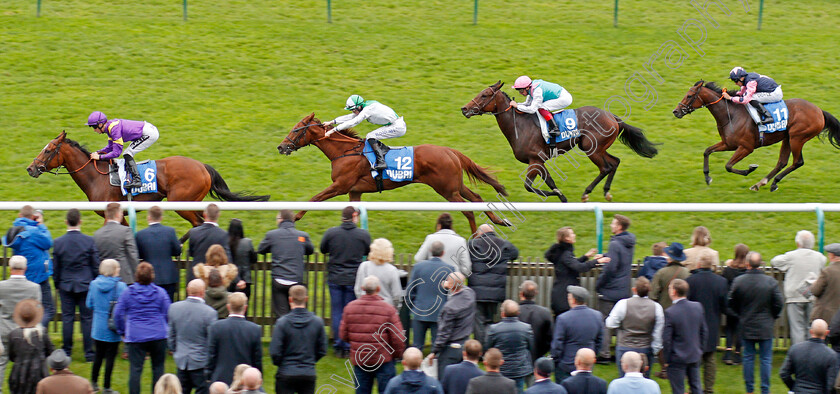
(95, 118)
(737, 73)
(354, 102)
(522, 82)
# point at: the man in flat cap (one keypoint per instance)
(579, 327)
(62, 380)
(827, 286)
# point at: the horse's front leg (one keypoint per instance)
(538, 169)
(335, 189)
(719, 147)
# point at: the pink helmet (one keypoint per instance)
(522, 82)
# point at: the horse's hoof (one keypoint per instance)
(506, 223)
(608, 196)
(708, 180)
(585, 198)
(753, 167)
(563, 198)
(755, 187)
(774, 187)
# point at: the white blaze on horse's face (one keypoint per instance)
(46, 146)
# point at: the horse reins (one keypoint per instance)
(479, 107)
(305, 128)
(43, 163)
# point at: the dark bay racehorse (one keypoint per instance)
(178, 178)
(739, 132)
(598, 131)
(440, 167)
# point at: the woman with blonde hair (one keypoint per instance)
(168, 384)
(237, 385)
(104, 291)
(701, 238)
(216, 258)
(379, 265)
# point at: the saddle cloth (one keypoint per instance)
(780, 117)
(148, 174)
(567, 122)
(400, 160)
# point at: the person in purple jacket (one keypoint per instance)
(138, 134)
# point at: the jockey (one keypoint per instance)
(374, 112)
(140, 134)
(755, 90)
(543, 97)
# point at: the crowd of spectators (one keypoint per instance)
(452, 306)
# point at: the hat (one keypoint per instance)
(578, 292)
(675, 251)
(544, 365)
(833, 248)
(58, 360)
(28, 313)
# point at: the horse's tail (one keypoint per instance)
(220, 191)
(832, 128)
(476, 173)
(635, 139)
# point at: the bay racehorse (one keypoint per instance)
(178, 178)
(440, 167)
(598, 130)
(739, 132)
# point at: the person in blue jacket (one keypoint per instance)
(30, 238)
(106, 288)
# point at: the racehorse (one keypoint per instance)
(525, 138)
(437, 166)
(739, 132)
(178, 178)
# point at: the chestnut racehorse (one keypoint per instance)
(178, 178)
(440, 167)
(739, 132)
(598, 130)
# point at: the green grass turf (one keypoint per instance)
(729, 378)
(227, 86)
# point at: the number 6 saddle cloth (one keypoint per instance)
(148, 175)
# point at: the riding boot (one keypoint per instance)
(133, 177)
(379, 150)
(766, 116)
(553, 133)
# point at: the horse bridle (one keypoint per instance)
(687, 108)
(477, 110)
(305, 128)
(42, 166)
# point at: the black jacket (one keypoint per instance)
(298, 341)
(231, 342)
(567, 269)
(287, 246)
(347, 246)
(710, 290)
(75, 262)
(157, 244)
(614, 281)
(757, 301)
(813, 364)
(489, 255)
(684, 334)
(585, 383)
(834, 332)
(515, 340)
(491, 382)
(539, 317)
(201, 239)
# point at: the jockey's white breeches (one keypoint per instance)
(559, 103)
(393, 130)
(768, 97)
(150, 135)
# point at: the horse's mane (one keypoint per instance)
(506, 95)
(350, 133)
(77, 146)
(713, 86)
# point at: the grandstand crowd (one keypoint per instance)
(441, 321)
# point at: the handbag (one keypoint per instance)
(112, 325)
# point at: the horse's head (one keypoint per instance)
(485, 101)
(692, 100)
(49, 158)
(305, 132)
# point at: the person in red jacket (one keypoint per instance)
(373, 329)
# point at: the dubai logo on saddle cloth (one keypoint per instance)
(567, 122)
(400, 160)
(780, 117)
(148, 174)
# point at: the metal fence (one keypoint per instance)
(535, 269)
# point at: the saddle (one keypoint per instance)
(116, 167)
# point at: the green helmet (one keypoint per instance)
(353, 102)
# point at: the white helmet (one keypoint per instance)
(353, 102)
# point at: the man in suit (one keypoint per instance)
(207, 234)
(75, 265)
(12, 291)
(579, 327)
(157, 244)
(233, 341)
(543, 368)
(424, 296)
(189, 324)
(812, 363)
(456, 376)
(710, 290)
(288, 247)
(538, 316)
(582, 380)
(683, 338)
(115, 241)
(492, 381)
